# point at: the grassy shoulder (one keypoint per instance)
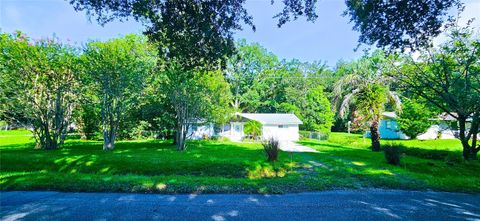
(227, 167)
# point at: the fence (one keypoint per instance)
(313, 135)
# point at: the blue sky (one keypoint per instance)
(329, 39)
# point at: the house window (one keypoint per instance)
(282, 126)
(237, 128)
(388, 125)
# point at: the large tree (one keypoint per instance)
(117, 69)
(204, 28)
(192, 37)
(392, 24)
(39, 86)
(449, 78)
(243, 69)
(365, 91)
(195, 33)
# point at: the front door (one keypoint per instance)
(237, 131)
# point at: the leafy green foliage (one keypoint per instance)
(448, 78)
(261, 83)
(415, 117)
(365, 92)
(197, 34)
(88, 120)
(40, 87)
(393, 153)
(316, 114)
(384, 22)
(253, 128)
(117, 71)
(196, 96)
(370, 101)
(178, 25)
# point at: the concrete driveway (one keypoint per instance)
(289, 146)
(329, 205)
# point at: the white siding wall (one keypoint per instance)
(198, 132)
(283, 133)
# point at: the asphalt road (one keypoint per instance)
(328, 205)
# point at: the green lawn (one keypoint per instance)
(344, 161)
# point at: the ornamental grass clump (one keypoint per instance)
(393, 153)
(271, 147)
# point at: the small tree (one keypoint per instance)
(448, 77)
(415, 118)
(117, 69)
(253, 128)
(317, 114)
(195, 96)
(39, 86)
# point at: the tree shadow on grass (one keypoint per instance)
(149, 158)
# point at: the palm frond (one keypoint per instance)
(345, 106)
(394, 98)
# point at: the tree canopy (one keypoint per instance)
(39, 85)
(200, 31)
(117, 70)
(449, 78)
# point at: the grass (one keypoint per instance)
(343, 161)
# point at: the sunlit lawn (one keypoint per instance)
(213, 166)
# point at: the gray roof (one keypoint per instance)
(389, 115)
(276, 119)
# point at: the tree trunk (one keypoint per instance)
(469, 153)
(180, 137)
(109, 133)
(49, 143)
(375, 136)
(108, 141)
(63, 135)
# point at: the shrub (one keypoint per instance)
(138, 132)
(415, 117)
(271, 149)
(393, 153)
(454, 158)
(426, 154)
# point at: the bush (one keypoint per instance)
(139, 131)
(393, 153)
(454, 158)
(415, 117)
(271, 147)
(426, 154)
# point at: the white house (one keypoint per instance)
(198, 131)
(283, 127)
(444, 129)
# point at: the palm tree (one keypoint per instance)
(253, 128)
(365, 89)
